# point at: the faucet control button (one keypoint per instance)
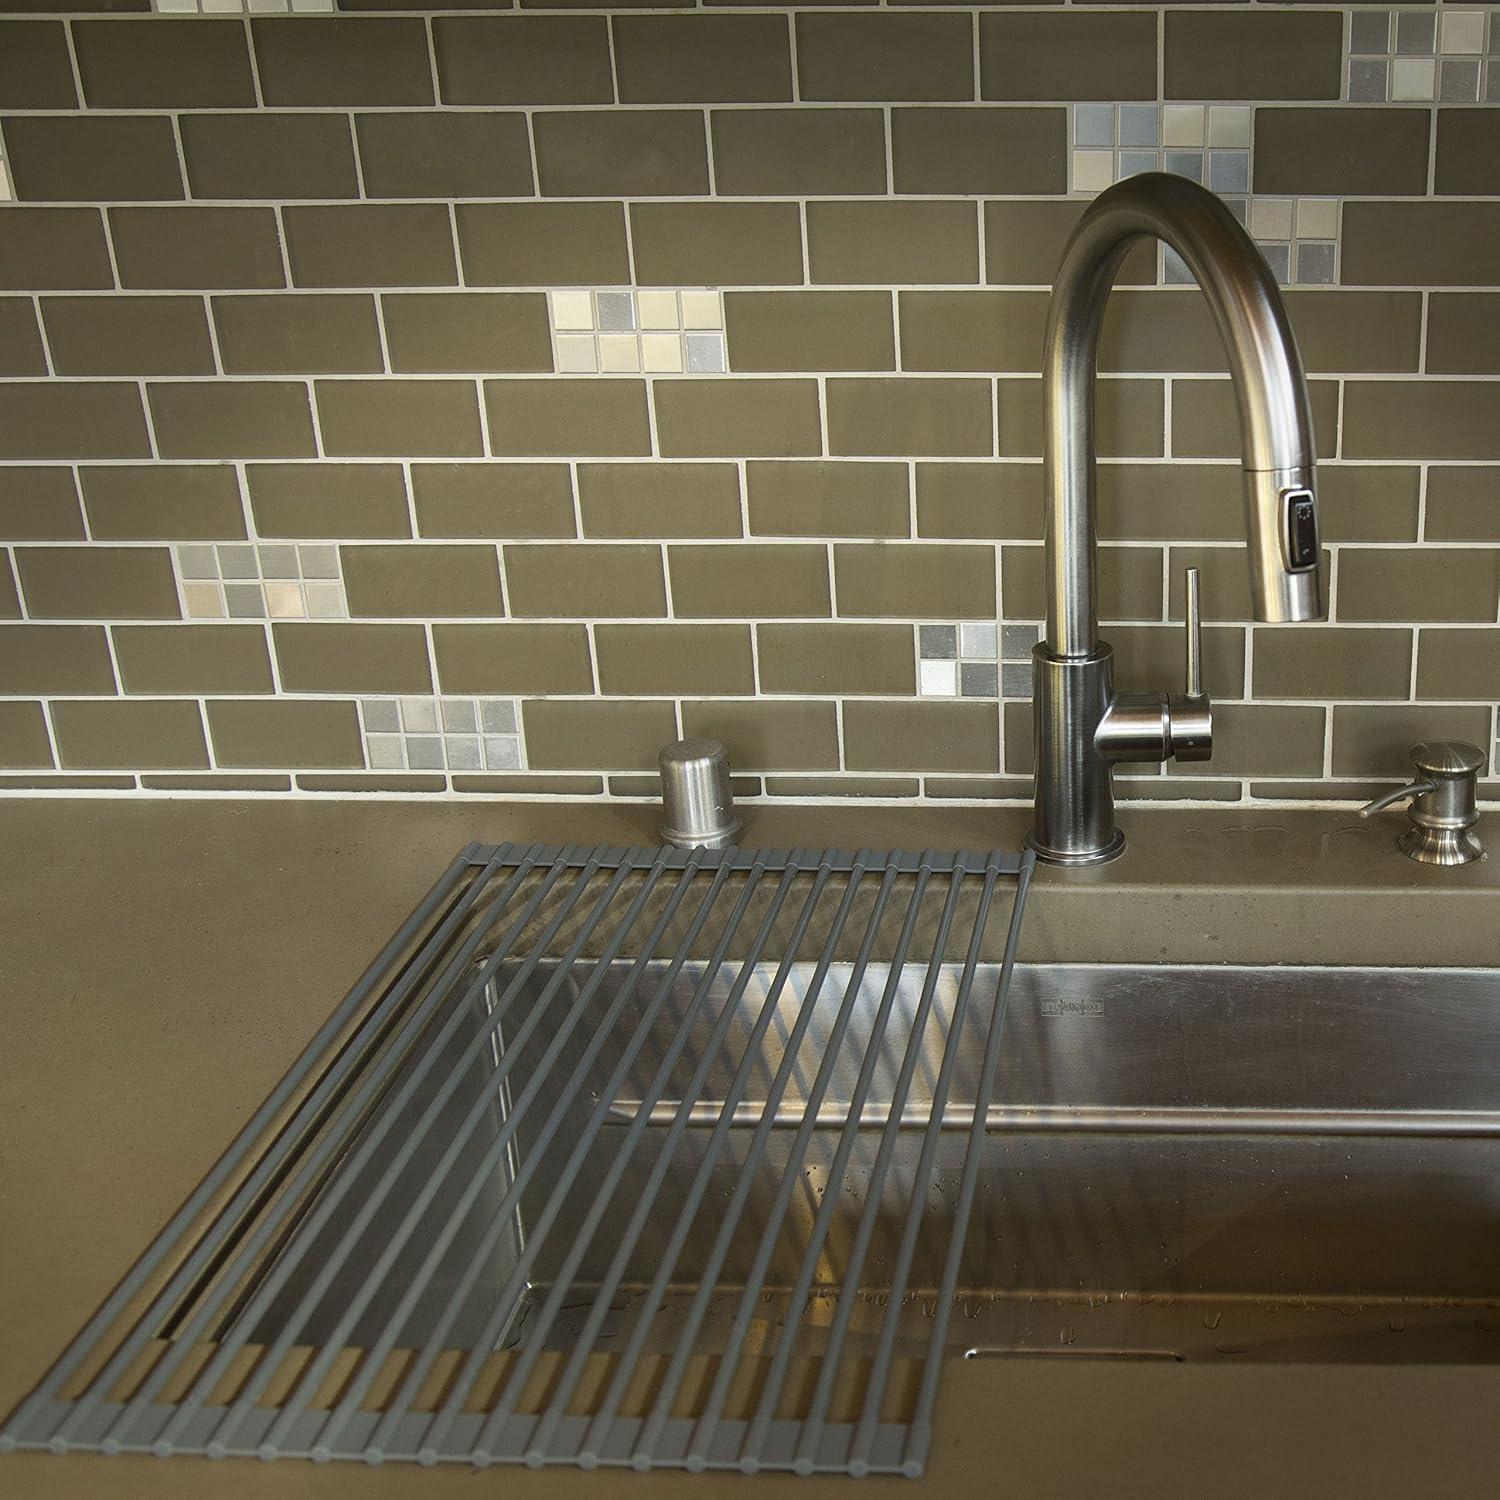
(1301, 529)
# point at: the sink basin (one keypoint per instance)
(1181, 1163)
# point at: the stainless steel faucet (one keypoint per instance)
(1084, 728)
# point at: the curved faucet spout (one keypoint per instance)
(1275, 421)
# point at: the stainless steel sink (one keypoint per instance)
(1181, 1162)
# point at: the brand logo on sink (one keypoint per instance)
(1060, 1007)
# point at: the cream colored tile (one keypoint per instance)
(619, 353)
(657, 310)
(1182, 125)
(203, 601)
(1229, 125)
(661, 352)
(575, 354)
(702, 310)
(1093, 171)
(284, 601)
(572, 310)
(1413, 78)
(1317, 218)
(1462, 31)
(5, 190)
(1271, 218)
(325, 601)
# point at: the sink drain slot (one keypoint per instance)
(508, 1206)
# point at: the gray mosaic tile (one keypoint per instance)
(1015, 681)
(1279, 258)
(1132, 163)
(385, 752)
(937, 642)
(463, 752)
(978, 679)
(1369, 80)
(244, 601)
(459, 716)
(1093, 124)
(1174, 270)
(1016, 641)
(705, 353)
(616, 311)
(498, 716)
(1229, 171)
(1370, 31)
(1458, 80)
(502, 754)
(1140, 125)
(976, 641)
(424, 752)
(1185, 164)
(1416, 33)
(381, 714)
(1315, 263)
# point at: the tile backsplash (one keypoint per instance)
(462, 400)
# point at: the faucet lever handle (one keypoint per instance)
(1194, 627)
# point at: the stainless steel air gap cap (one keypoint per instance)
(697, 805)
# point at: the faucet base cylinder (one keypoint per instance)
(1075, 802)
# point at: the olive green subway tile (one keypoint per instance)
(523, 59)
(232, 419)
(1206, 422)
(499, 500)
(1129, 418)
(1401, 584)
(605, 153)
(979, 501)
(529, 785)
(617, 734)
(887, 57)
(737, 418)
(977, 788)
(1432, 243)
(1129, 583)
(1174, 789)
(1252, 54)
(331, 60)
(1165, 330)
(767, 734)
(895, 241)
(427, 581)
(164, 64)
(716, 244)
(68, 660)
(197, 247)
(128, 734)
(1368, 502)
(653, 501)
(335, 657)
(1024, 239)
(1224, 576)
(10, 599)
(128, 335)
(445, 154)
(512, 658)
(269, 155)
(568, 418)
(434, 332)
(1458, 664)
(193, 659)
(1166, 502)
(936, 150)
(814, 497)
(1422, 419)
(1328, 662)
(1463, 503)
(802, 152)
(897, 417)
(915, 580)
(818, 788)
(72, 419)
(74, 782)
(250, 733)
(35, 69)
(399, 418)
(657, 659)
(732, 59)
(92, 158)
(842, 659)
(761, 582)
(1068, 55)
(370, 244)
(39, 503)
(1263, 739)
(162, 502)
(776, 331)
(921, 735)
(313, 333)
(542, 244)
(54, 249)
(97, 583)
(972, 330)
(344, 784)
(584, 579)
(1341, 152)
(21, 351)
(1468, 147)
(211, 783)
(23, 737)
(1375, 741)
(1463, 333)
(330, 500)
(1148, 655)
(1319, 791)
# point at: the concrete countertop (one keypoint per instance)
(164, 962)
